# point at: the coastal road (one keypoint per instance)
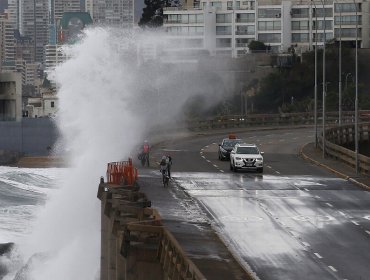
(295, 221)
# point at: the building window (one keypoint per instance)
(192, 19)
(223, 30)
(299, 13)
(347, 32)
(347, 20)
(243, 42)
(270, 37)
(245, 18)
(320, 36)
(269, 13)
(319, 12)
(300, 25)
(347, 7)
(245, 30)
(320, 25)
(52, 104)
(299, 37)
(223, 18)
(199, 18)
(223, 42)
(269, 25)
(230, 5)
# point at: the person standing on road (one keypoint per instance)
(169, 164)
(145, 152)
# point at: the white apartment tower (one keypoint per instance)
(226, 27)
(112, 12)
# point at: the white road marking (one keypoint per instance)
(268, 166)
(317, 197)
(215, 165)
(208, 160)
(317, 255)
(222, 171)
(332, 268)
(204, 157)
(307, 190)
(202, 149)
(295, 138)
(214, 143)
(329, 204)
(277, 172)
(367, 217)
(206, 146)
(306, 244)
(356, 223)
(368, 232)
(340, 212)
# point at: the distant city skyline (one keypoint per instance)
(138, 6)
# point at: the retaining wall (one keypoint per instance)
(30, 136)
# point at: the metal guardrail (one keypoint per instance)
(135, 245)
(250, 120)
(337, 136)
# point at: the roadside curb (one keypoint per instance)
(339, 174)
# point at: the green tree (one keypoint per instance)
(152, 15)
(257, 46)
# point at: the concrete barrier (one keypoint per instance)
(135, 245)
(345, 134)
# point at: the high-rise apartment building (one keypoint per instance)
(34, 22)
(226, 27)
(111, 12)
(3, 20)
(9, 44)
(62, 6)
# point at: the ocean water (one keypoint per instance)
(23, 191)
(23, 194)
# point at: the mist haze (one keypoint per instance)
(108, 103)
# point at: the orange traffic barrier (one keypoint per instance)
(122, 172)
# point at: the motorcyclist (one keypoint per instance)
(163, 166)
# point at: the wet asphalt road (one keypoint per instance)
(296, 221)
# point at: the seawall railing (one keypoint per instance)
(135, 245)
(340, 135)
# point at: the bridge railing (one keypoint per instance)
(337, 136)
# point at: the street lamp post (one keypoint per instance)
(323, 82)
(340, 67)
(315, 105)
(356, 98)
